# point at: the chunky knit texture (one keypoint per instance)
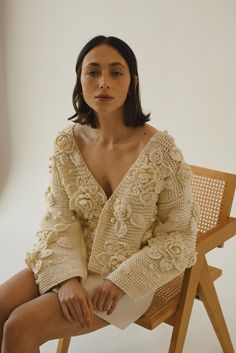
(140, 238)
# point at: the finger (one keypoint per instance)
(73, 314)
(90, 305)
(94, 300)
(113, 306)
(107, 303)
(86, 313)
(66, 310)
(76, 308)
(100, 302)
(66, 313)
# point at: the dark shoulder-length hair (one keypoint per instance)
(134, 115)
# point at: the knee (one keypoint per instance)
(13, 327)
(17, 329)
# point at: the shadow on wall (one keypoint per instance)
(5, 149)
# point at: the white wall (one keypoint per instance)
(186, 52)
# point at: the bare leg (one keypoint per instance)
(16, 291)
(38, 321)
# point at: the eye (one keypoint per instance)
(117, 72)
(91, 72)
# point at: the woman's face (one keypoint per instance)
(104, 71)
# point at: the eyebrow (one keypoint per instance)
(112, 64)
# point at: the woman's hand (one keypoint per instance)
(106, 296)
(75, 302)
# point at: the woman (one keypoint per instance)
(120, 219)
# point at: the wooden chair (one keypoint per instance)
(172, 303)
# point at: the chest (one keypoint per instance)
(110, 167)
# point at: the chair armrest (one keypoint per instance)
(216, 236)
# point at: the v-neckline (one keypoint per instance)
(124, 176)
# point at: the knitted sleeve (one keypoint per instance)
(59, 252)
(171, 246)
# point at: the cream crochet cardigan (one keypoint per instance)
(140, 238)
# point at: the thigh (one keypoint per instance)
(16, 291)
(43, 319)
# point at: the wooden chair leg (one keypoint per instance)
(63, 345)
(208, 295)
(182, 316)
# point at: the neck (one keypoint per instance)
(112, 131)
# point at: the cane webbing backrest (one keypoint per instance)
(213, 191)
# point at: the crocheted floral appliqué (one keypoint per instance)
(34, 259)
(40, 251)
(64, 143)
(115, 253)
(146, 180)
(81, 199)
(185, 173)
(123, 212)
(167, 250)
(49, 197)
(176, 154)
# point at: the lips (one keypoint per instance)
(103, 96)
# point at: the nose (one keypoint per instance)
(103, 82)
